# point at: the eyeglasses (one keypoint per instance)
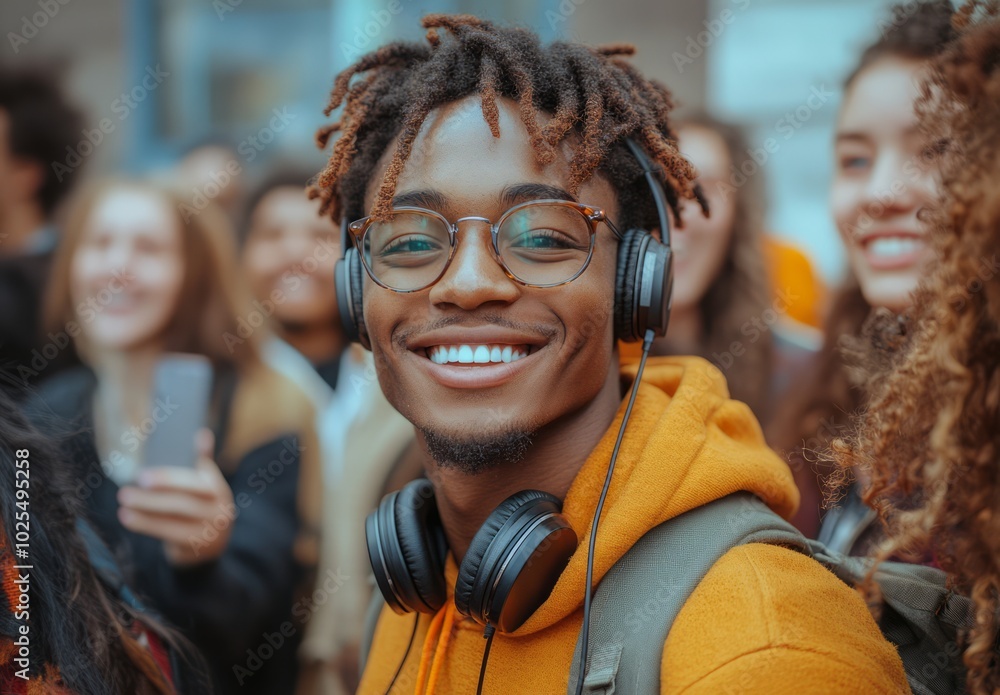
(541, 243)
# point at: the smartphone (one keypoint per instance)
(182, 386)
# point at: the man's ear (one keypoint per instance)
(655, 233)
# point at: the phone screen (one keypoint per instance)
(182, 387)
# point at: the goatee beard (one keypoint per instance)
(476, 455)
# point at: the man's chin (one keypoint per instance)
(478, 452)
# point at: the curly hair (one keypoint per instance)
(931, 436)
(915, 30)
(590, 93)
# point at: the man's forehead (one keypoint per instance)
(456, 155)
(459, 129)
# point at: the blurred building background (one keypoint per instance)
(164, 75)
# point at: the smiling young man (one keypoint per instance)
(509, 368)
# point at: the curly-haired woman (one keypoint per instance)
(930, 441)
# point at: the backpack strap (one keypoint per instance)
(637, 601)
(919, 614)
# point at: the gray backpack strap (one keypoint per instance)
(638, 599)
(919, 614)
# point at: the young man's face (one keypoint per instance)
(565, 331)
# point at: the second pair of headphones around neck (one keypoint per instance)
(524, 545)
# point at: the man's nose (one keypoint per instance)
(475, 276)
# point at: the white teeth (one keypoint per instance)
(890, 247)
(476, 354)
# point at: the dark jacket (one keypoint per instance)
(26, 356)
(236, 608)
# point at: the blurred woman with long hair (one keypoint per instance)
(930, 439)
(883, 180)
(219, 548)
(721, 279)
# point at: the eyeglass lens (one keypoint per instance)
(540, 244)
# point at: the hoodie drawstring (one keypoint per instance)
(435, 647)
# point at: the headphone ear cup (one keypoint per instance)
(514, 560)
(630, 251)
(344, 287)
(356, 273)
(407, 548)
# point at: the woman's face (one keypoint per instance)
(881, 182)
(700, 248)
(127, 272)
(289, 257)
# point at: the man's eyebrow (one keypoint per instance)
(523, 192)
(432, 200)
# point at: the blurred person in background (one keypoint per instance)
(726, 307)
(720, 277)
(883, 179)
(85, 633)
(288, 256)
(141, 281)
(211, 170)
(930, 439)
(38, 129)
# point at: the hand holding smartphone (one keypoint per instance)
(180, 491)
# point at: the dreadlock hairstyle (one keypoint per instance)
(592, 94)
(819, 409)
(931, 436)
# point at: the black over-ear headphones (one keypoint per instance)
(643, 281)
(522, 548)
(508, 571)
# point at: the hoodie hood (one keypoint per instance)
(686, 444)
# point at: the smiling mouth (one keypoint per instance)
(474, 354)
(891, 246)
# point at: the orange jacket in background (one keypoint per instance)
(792, 275)
(764, 620)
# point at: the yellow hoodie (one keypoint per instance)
(765, 619)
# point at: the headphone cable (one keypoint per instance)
(488, 636)
(585, 634)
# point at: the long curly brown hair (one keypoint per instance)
(930, 439)
(590, 93)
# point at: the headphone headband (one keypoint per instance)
(655, 188)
